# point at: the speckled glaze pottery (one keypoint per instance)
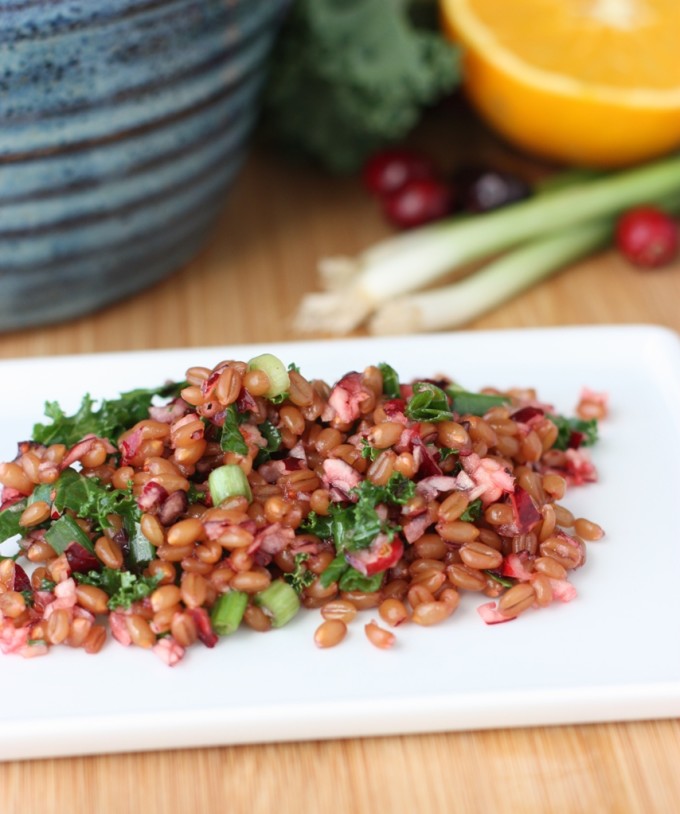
(122, 125)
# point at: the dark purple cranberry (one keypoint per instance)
(81, 560)
(173, 507)
(485, 189)
(21, 580)
(121, 538)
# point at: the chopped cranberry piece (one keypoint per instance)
(81, 560)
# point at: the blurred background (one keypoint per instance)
(485, 146)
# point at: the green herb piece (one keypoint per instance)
(301, 577)
(398, 489)
(110, 420)
(9, 520)
(446, 452)
(279, 380)
(88, 498)
(293, 368)
(348, 578)
(473, 511)
(391, 387)
(504, 581)
(367, 451)
(333, 571)
(91, 500)
(469, 403)
(279, 601)
(272, 434)
(228, 481)
(132, 589)
(227, 612)
(428, 403)
(28, 598)
(195, 495)
(353, 580)
(47, 584)
(36, 642)
(319, 524)
(43, 491)
(356, 526)
(65, 531)
(123, 587)
(273, 437)
(231, 439)
(142, 551)
(565, 426)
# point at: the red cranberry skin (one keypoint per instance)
(388, 171)
(647, 237)
(418, 202)
(80, 559)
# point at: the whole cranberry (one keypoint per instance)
(482, 189)
(388, 170)
(417, 202)
(647, 237)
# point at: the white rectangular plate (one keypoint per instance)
(611, 654)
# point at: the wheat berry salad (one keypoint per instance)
(171, 517)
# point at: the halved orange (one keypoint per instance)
(589, 82)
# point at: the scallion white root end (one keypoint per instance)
(337, 272)
(333, 312)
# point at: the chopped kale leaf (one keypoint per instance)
(428, 403)
(109, 420)
(123, 587)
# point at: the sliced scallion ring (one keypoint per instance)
(228, 481)
(227, 612)
(279, 380)
(279, 601)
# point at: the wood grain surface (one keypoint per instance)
(244, 288)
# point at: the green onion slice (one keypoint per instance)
(228, 481)
(279, 601)
(227, 612)
(279, 380)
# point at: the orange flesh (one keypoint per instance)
(591, 82)
(616, 43)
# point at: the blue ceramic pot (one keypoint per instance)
(122, 125)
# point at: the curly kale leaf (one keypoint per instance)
(109, 420)
(356, 525)
(123, 587)
(300, 578)
(353, 76)
(574, 431)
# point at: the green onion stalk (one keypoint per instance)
(453, 305)
(566, 222)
